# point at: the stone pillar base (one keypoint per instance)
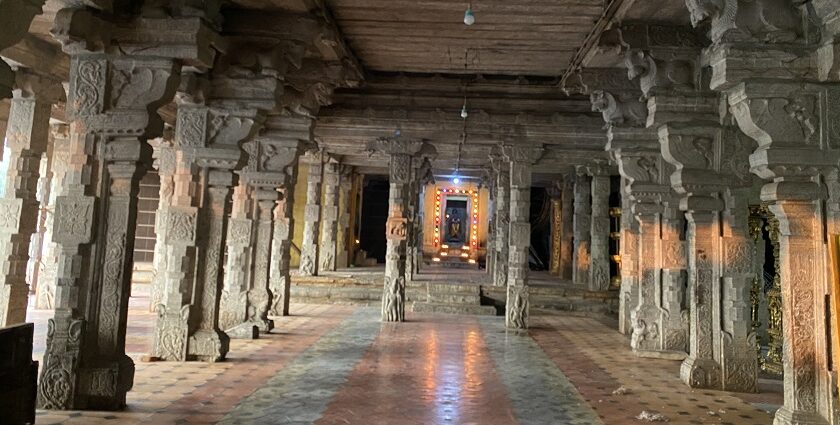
(209, 346)
(700, 373)
(250, 330)
(797, 417)
(105, 387)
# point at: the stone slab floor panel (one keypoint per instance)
(330, 364)
(597, 360)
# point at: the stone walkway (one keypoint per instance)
(339, 365)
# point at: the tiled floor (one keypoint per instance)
(339, 365)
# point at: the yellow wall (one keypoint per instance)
(297, 211)
(429, 214)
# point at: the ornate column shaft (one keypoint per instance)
(583, 229)
(599, 275)
(343, 240)
(312, 216)
(328, 249)
(502, 217)
(27, 137)
(237, 275)
(165, 164)
(45, 293)
(674, 319)
(401, 154)
(393, 296)
(556, 226)
(517, 305)
(281, 246)
(629, 291)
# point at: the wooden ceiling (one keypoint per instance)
(514, 37)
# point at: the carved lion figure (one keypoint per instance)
(618, 113)
(764, 20)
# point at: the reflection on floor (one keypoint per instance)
(330, 364)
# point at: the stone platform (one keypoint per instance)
(448, 291)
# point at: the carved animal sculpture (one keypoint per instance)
(763, 20)
(618, 113)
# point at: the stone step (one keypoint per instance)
(584, 307)
(453, 288)
(463, 309)
(359, 294)
(454, 298)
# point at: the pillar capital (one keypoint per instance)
(662, 58)
(784, 118)
(191, 38)
(395, 146)
(527, 155)
(709, 159)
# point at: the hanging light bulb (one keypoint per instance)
(456, 180)
(464, 113)
(469, 18)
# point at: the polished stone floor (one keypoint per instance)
(339, 365)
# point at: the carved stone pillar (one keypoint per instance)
(85, 365)
(237, 275)
(793, 153)
(45, 293)
(556, 248)
(629, 291)
(583, 229)
(312, 216)
(517, 306)
(501, 167)
(413, 232)
(26, 139)
(657, 319)
(711, 161)
(328, 249)
(15, 18)
(165, 163)
(205, 153)
(674, 320)
(599, 275)
(567, 232)
(273, 163)
(401, 154)
(36, 242)
(343, 240)
(109, 102)
(281, 249)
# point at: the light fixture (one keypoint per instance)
(464, 113)
(469, 17)
(456, 180)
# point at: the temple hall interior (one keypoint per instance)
(399, 212)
